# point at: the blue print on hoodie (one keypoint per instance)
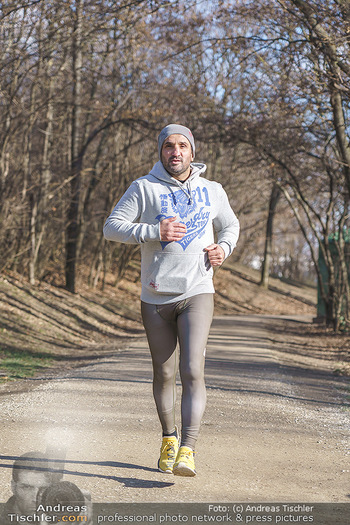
(185, 207)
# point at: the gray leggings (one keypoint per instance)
(188, 322)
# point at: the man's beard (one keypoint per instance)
(176, 169)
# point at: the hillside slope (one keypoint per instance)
(238, 292)
(46, 318)
(46, 327)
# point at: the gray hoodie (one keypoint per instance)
(173, 271)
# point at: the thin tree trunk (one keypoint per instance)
(72, 231)
(33, 191)
(265, 272)
(39, 207)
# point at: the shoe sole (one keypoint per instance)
(168, 471)
(165, 471)
(183, 470)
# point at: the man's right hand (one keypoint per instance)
(170, 230)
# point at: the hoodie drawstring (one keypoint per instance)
(187, 191)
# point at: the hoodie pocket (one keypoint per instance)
(175, 274)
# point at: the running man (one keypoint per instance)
(173, 213)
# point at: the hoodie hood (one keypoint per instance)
(159, 172)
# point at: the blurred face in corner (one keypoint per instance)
(26, 488)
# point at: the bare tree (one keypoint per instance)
(265, 272)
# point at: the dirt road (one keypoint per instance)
(274, 430)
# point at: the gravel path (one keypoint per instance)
(273, 430)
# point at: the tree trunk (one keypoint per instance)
(72, 231)
(40, 203)
(29, 181)
(265, 271)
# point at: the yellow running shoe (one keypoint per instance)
(184, 464)
(168, 452)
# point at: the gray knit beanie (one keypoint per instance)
(173, 129)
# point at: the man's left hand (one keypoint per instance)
(216, 254)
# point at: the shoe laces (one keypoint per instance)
(169, 448)
(187, 454)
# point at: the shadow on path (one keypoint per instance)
(127, 482)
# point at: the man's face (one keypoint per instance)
(26, 489)
(176, 156)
